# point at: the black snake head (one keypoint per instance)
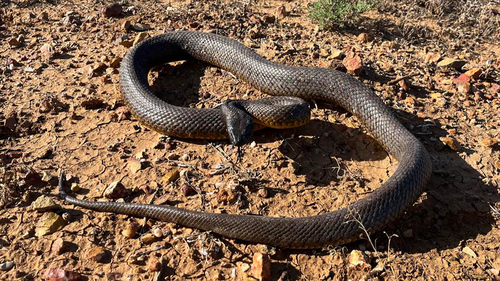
(239, 123)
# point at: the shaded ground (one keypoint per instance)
(61, 108)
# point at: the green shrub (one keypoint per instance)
(331, 13)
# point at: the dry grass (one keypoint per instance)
(447, 19)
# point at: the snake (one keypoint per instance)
(365, 216)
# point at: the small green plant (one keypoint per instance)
(329, 13)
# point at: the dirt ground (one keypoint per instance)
(61, 108)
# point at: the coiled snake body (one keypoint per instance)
(338, 227)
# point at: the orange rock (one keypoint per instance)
(261, 267)
(352, 63)
(474, 73)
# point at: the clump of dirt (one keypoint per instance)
(61, 109)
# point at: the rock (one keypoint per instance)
(432, 57)
(281, 12)
(358, 261)
(47, 52)
(188, 190)
(13, 42)
(269, 18)
(494, 89)
(157, 232)
(14, 154)
(113, 10)
(33, 178)
(403, 84)
(489, 142)
(364, 37)
(126, 25)
(263, 192)
(244, 267)
(123, 40)
(75, 187)
(261, 267)
(149, 238)
(44, 16)
(44, 203)
(474, 73)
(115, 62)
(49, 223)
(59, 274)
(116, 190)
(97, 254)
(226, 197)
(59, 246)
(131, 229)
(450, 142)
(134, 164)
(462, 83)
(6, 266)
(171, 176)
(140, 27)
(140, 37)
(93, 103)
(154, 264)
(469, 252)
(123, 113)
(451, 63)
(352, 63)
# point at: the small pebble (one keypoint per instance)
(49, 223)
(113, 10)
(261, 267)
(116, 190)
(97, 254)
(131, 229)
(154, 264)
(6, 266)
(59, 246)
(44, 203)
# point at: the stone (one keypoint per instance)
(149, 238)
(357, 261)
(97, 254)
(281, 12)
(113, 10)
(49, 223)
(226, 197)
(59, 274)
(115, 62)
(450, 142)
(140, 37)
(134, 164)
(432, 57)
(469, 252)
(93, 103)
(131, 229)
(261, 267)
(365, 37)
(154, 264)
(116, 190)
(47, 52)
(44, 203)
(59, 246)
(171, 176)
(352, 63)
(489, 142)
(462, 83)
(474, 73)
(188, 190)
(451, 63)
(6, 266)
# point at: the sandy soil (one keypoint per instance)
(61, 108)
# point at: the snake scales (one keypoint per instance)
(338, 227)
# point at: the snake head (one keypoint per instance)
(239, 123)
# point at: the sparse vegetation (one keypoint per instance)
(331, 13)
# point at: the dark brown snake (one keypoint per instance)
(338, 227)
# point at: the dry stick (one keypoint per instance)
(356, 219)
(394, 81)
